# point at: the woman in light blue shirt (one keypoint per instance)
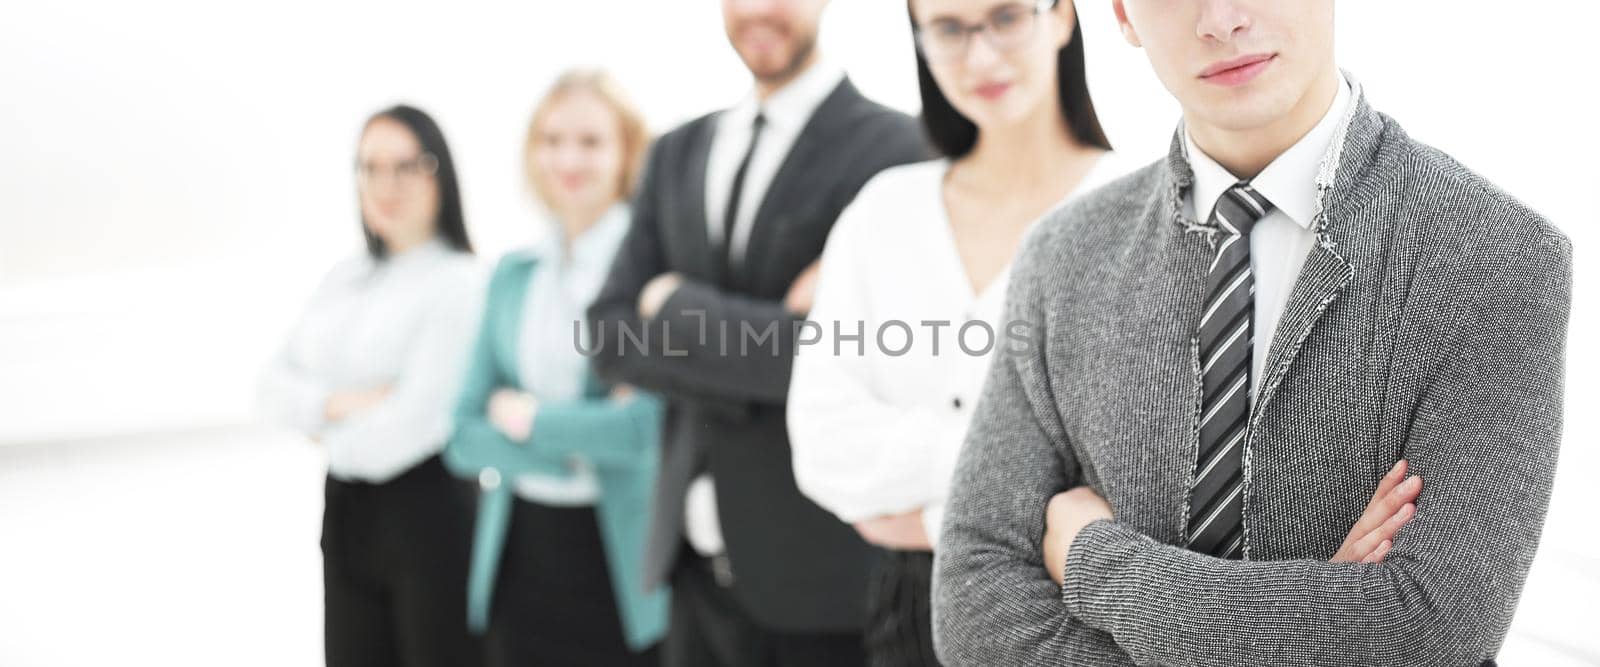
(565, 464)
(370, 372)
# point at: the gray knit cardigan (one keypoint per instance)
(1428, 323)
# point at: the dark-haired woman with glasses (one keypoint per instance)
(876, 426)
(370, 372)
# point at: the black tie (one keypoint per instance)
(730, 215)
(1216, 517)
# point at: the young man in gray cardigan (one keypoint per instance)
(1239, 353)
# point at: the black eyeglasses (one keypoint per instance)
(1007, 28)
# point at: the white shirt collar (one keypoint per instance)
(595, 245)
(435, 246)
(790, 107)
(1289, 181)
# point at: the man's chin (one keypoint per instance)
(1243, 111)
(767, 66)
(778, 66)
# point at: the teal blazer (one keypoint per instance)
(620, 438)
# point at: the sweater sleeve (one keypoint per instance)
(993, 601)
(1484, 439)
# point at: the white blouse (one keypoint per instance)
(405, 322)
(875, 431)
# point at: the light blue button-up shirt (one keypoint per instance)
(565, 280)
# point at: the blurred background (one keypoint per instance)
(176, 176)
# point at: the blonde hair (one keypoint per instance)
(634, 133)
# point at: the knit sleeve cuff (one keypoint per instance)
(1092, 588)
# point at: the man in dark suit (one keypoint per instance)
(702, 307)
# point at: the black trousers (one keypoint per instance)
(899, 623)
(394, 564)
(553, 600)
(709, 629)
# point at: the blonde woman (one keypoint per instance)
(565, 463)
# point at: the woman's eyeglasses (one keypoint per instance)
(404, 172)
(1007, 28)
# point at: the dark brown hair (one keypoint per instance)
(450, 223)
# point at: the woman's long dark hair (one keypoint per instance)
(954, 135)
(450, 223)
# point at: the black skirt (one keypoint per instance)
(553, 600)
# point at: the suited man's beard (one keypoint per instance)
(774, 76)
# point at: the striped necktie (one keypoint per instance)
(1216, 519)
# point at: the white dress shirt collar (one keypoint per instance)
(1289, 181)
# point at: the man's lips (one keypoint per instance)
(1234, 71)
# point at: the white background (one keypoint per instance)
(174, 177)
